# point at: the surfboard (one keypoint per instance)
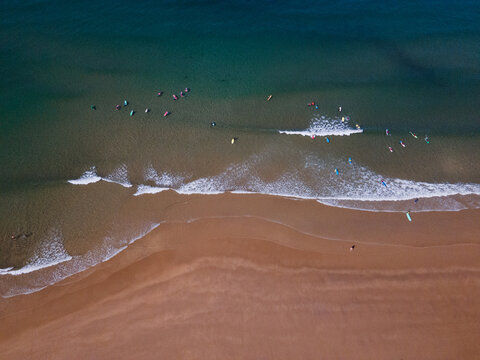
(408, 216)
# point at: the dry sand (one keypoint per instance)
(280, 283)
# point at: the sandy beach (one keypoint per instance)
(261, 277)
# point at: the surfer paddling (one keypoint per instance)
(269, 97)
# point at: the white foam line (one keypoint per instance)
(85, 266)
(30, 268)
(322, 199)
(124, 184)
(146, 189)
(5, 270)
(91, 176)
(114, 253)
(145, 233)
(85, 180)
(322, 133)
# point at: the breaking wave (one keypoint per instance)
(53, 264)
(325, 126)
(119, 176)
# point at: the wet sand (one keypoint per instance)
(259, 277)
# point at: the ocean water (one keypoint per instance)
(70, 176)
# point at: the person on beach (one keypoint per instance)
(352, 247)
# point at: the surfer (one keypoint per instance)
(269, 97)
(125, 102)
(327, 139)
(175, 97)
(343, 118)
(427, 140)
(132, 112)
(93, 107)
(234, 139)
(401, 143)
(339, 109)
(387, 132)
(117, 107)
(312, 136)
(186, 90)
(147, 110)
(213, 124)
(390, 148)
(414, 135)
(350, 160)
(160, 93)
(182, 94)
(384, 183)
(166, 113)
(336, 171)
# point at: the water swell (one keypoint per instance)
(355, 187)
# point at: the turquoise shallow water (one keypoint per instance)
(398, 65)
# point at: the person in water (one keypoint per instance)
(213, 124)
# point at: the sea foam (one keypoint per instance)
(56, 264)
(325, 126)
(119, 176)
(88, 177)
(356, 187)
(49, 252)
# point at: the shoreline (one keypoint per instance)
(237, 207)
(268, 276)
